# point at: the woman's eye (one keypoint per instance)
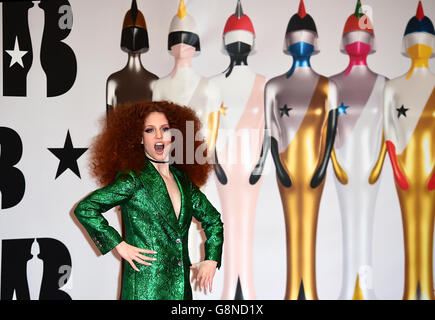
(148, 130)
(165, 129)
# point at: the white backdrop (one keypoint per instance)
(46, 208)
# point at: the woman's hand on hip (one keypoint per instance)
(206, 270)
(130, 253)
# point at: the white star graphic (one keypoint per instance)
(16, 54)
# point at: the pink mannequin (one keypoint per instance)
(237, 152)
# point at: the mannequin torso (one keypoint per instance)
(132, 83)
(238, 149)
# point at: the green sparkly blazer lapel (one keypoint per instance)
(156, 189)
(184, 219)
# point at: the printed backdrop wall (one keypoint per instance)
(54, 71)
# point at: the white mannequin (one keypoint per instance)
(181, 85)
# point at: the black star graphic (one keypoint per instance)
(285, 110)
(401, 111)
(68, 156)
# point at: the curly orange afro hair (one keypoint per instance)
(118, 146)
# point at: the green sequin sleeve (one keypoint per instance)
(211, 222)
(89, 210)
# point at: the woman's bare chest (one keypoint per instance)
(174, 193)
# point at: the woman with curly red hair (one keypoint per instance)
(132, 159)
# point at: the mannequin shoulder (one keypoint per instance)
(213, 92)
(382, 77)
(162, 80)
(114, 79)
(276, 81)
(217, 77)
(212, 86)
(158, 86)
(218, 81)
(337, 77)
(261, 77)
(403, 84)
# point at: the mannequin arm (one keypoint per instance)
(331, 131)
(320, 173)
(109, 96)
(258, 169)
(220, 173)
(376, 171)
(431, 184)
(212, 131)
(390, 136)
(268, 105)
(398, 175)
(280, 171)
(339, 171)
(213, 128)
(270, 142)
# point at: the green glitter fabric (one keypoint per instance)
(150, 223)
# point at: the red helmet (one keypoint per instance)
(239, 28)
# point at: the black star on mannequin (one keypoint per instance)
(401, 111)
(68, 156)
(285, 110)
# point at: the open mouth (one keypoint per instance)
(159, 147)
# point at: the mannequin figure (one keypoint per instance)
(358, 155)
(301, 116)
(243, 93)
(183, 85)
(133, 82)
(409, 115)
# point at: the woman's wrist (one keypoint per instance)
(119, 245)
(212, 262)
